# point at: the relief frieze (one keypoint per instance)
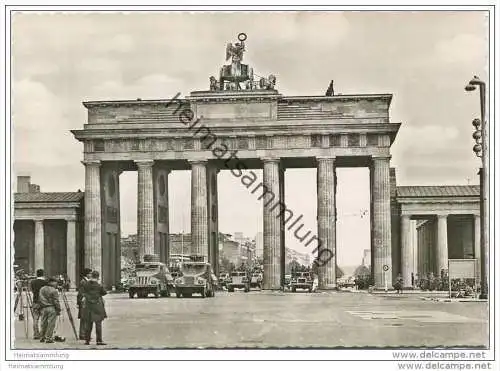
(242, 143)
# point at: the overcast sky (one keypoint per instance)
(423, 58)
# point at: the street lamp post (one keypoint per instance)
(481, 149)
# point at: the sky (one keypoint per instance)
(423, 58)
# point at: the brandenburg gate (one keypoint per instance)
(241, 123)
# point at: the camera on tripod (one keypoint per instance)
(63, 283)
(22, 280)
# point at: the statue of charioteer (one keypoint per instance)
(236, 74)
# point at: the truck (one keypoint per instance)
(195, 277)
(238, 280)
(150, 277)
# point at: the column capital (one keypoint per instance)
(326, 158)
(71, 218)
(38, 219)
(442, 216)
(197, 162)
(381, 157)
(91, 163)
(144, 163)
(406, 216)
(270, 159)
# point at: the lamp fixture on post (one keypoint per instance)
(480, 135)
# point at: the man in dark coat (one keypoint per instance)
(79, 297)
(36, 285)
(93, 307)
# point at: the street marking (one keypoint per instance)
(419, 316)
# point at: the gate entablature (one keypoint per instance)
(246, 120)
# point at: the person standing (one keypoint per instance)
(93, 308)
(36, 286)
(399, 284)
(81, 289)
(50, 309)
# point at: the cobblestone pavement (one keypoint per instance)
(274, 319)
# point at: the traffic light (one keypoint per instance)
(477, 136)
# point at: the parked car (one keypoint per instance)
(195, 278)
(302, 280)
(239, 280)
(346, 282)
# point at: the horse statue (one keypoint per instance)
(213, 83)
(268, 83)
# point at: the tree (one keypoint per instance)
(361, 271)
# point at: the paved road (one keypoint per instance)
(268, 319)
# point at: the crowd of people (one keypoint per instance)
(47, 307)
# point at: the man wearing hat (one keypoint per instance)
(93, 307)
(50, 308)
(79, 301)
(36, 286)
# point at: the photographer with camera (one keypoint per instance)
(36, 286)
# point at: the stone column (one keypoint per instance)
(199, 209)
(442, 244)
(145, 208)
(381, 195)
(477, 243)
(414, 242)
(282, 228)
(39, 245)
(406, 250)
(327, 219)
(71, 251)
(272, 224)
(93, 227)
(161, 208)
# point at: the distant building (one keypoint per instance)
(48, 230)
(300, 258)
(259, 244)
(239, 237)
(129, 246)
(180, 244)
(230, 249)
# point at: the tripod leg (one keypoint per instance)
(16, 302)
(70, 316)
(29, 300)
(21, 306)
(28, 307)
